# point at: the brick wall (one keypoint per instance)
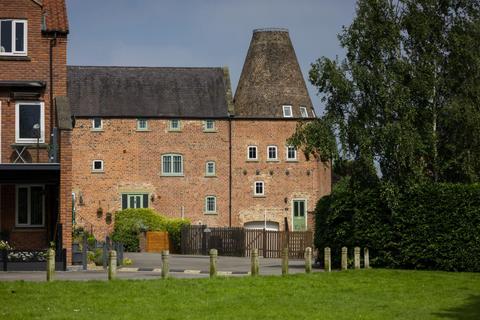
(284, 180)
(36, 67)
(132, 163)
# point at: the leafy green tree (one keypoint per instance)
(405, 100)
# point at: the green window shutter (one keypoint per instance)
(124, 201)
(145, 200)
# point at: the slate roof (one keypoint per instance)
(56, 19)
(147, 92)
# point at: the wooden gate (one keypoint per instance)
(239, 242)
(157, 241)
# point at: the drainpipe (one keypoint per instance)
(53, 43)
(230, 171)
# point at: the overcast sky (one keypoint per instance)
(201, 33)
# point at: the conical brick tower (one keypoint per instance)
(271, 78)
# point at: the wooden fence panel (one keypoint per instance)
(240, 241)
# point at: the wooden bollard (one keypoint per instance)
(50, 264)
(308, 260)
(327, 260)
(356, 258)
(285, 261)
(254, 268)
(344, 258)
(112, 265)
(366, 258)
(213, 262)
(165, 264)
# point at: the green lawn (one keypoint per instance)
(372, 294)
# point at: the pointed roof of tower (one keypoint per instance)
(271, 78)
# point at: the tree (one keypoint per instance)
(405, 100)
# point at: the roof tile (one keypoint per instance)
(56, 15)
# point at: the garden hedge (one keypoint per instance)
(130, 222)
(430, 226)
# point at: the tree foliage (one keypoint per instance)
(405, 100)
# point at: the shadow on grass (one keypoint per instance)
(469, 311)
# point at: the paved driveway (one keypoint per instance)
(201, 263)
(147, 266)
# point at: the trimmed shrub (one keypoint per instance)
(431, 226)
(130, 222)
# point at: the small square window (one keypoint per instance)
(142, 124)
(174, 125)
(258, 188)
(97, 166)
(97, 124)
(252, 153)
(209, 125)
(287, 111)
(210, 168)
(210, 204)
(304, 112)
(291, 153)
(272, 153)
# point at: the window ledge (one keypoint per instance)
(98, 171)
(143, 130)
(14, 58)
(210, 131)
(253, 160)
(172, 175)
(97, 130)
(292, 161)
(211, 213)
(18, 228)
(174, 130)
(273, 160)
(259, 196)
(210, 176)
(29, 145)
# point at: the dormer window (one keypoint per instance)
(13, 37)
(287, 112)
(304, 112)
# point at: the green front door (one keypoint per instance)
(299, 215)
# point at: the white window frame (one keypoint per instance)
(210, 174)
(29, 212)
(304, 112)
(255, 193)
(276, 153)
(97, 128)
(17, 122)
(286, 155)
(313, 113)
(171, 173)
(205, 127)
(97, 170)
(214, 211)
(139, 128)
(248, 153)
(171, 128)
(14, 42)
(289, 108)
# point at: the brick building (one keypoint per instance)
(175, 140)
(35, 125)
